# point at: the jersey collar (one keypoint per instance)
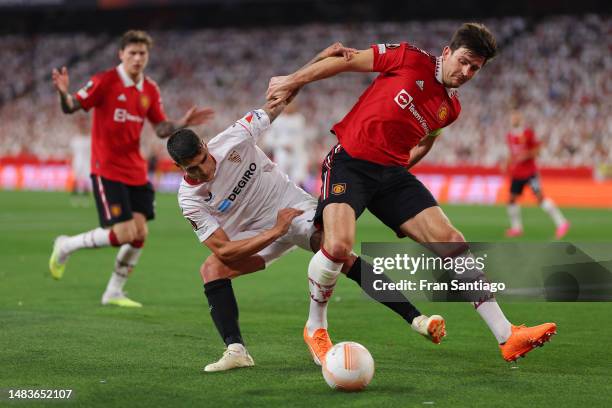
(127, 81)
(450, 91)
(191, 181)
(194, 182)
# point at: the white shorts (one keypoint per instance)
(299, 233)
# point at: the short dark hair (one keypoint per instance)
(477, 38)
(136, 37)
(183, 145)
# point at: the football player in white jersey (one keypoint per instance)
(248, 213)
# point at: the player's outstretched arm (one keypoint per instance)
(280, 88)
(421, 150)
(278, 103)
(232, 251)
(193, 117)
(61, 82)
(337, 49)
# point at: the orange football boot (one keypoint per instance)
(319, 344)
(524, 339)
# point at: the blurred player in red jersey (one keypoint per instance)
(390, 128)
(122, 98)
(521, 166)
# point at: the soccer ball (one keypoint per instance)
(348, 366)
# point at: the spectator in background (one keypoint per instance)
(564, 80)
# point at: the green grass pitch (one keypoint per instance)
(55, 334)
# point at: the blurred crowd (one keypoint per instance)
(558, 70)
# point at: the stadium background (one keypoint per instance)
(555, 60)
(557, 67)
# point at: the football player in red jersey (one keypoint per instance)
(390, 128)
(521, 166)
(122, 98)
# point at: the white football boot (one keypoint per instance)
(236, 356)
(432, 328)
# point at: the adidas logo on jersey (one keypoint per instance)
(122, 98)
(420, 84)
(234, 157)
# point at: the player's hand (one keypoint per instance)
(285, 217)
(197, 116)
(60, 78)
(292, 95)
(281, 89)
(338, 50)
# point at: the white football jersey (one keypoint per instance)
(247, 189)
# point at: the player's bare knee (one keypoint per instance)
(131, 235)
(213, 269)
(455, 236)
(449, 243)
(125, 232)
(128, 236)
(140, 224)
(458, 246)
(340, 249)
(142, 233)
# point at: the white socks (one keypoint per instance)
(552, 210)
(488, 309)
(127, 257)
(514, 212)
(95, 238)
(495, 319)
(322, 276)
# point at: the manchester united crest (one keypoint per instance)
(443, 113)
(338, 188)
(115, 210)
(144, 101)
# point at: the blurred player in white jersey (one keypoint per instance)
(287, 141)
(80, 147)
(248, 213)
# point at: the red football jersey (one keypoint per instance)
(519, 143)
(120, 108)
(406, 102)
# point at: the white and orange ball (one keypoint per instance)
(348, 366)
